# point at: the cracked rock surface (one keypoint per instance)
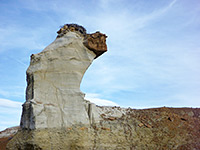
(53, 96)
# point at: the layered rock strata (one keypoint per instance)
(53, 96)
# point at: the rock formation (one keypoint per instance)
(53, 96)
(56, 115)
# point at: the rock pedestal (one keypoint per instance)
(53, 96)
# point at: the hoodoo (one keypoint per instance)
(53, 96)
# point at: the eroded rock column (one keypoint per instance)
(53, 96)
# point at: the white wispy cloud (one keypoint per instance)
(20, 39)
(98, 101)
(10, 112)
(9, 103)
(9, 91)
(4, 93)
(142, 21)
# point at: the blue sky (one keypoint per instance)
(152, 59)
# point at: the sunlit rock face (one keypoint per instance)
(53, 96)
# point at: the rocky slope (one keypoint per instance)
(56, 115)
(157, 128)
(7, 135)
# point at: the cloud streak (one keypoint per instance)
(98, 101)
(9, 103)
(10, 112)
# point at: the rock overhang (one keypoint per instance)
(95, 42)
(54, 77)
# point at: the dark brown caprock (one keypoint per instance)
(95, 42)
